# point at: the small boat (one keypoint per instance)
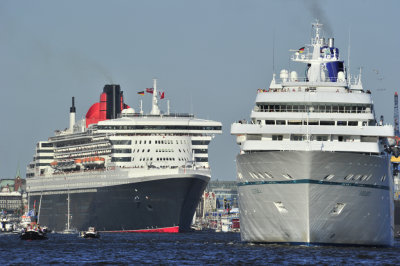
(69, 231)
(33, 233)
(90, 233)
(46, 229)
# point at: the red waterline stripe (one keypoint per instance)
(174, 229)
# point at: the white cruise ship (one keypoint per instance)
(121, 170)
(312, 167)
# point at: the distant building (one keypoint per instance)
(226, 193)
(11, 195)
(207, 204)
(218, 195)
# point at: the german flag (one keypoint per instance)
(301, 50)
(141, 92)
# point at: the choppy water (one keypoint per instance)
(173, 249)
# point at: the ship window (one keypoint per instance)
(352, 123)
(44, 151)
(327, 123)
(268, 175)
(120, 159)
(140, 142)
(270, 122)
(144, 142)
(337, 209)
(287, 176)
(121, 151)
(297, 137)
(277, 137)
(322, 138)
(148, 150)
(341, 123)
(340, 138)
(46, 145)
(280, 122)
(281, 207)
(348, 177)
(329, 177)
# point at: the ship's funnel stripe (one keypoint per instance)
(308, 181)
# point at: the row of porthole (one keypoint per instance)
(161, 142)
(160, 159)
(161, 150)
(263, 175)
(328, 177)
(362, 177)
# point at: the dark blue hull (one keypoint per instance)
(146, 205)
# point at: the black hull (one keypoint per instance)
(32, 235)
(144, 206)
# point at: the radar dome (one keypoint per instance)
(293, 76)
(340, 76)
(284, 75)
(128, 111)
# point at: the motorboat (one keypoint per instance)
(90, 233)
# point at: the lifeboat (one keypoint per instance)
(93, 162)
(54, 164)
(78, 162)
(99, 160)
(240, 139)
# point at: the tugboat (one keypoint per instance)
(33, 233)
(90, 233)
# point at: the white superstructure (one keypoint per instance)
(133, 141)
(312, 166)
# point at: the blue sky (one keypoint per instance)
(209, 56)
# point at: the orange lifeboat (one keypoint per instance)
(78, 162)
(99, 160)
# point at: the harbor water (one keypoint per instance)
(196, 248)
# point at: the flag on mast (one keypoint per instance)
(149, 90)
(141, 92)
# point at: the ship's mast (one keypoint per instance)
(155, 110)
(315, 68)
(68, 213)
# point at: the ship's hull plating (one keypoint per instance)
(299, 201)
(164, 205)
